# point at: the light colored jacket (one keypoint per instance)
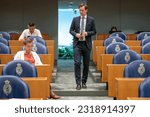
(20, 56)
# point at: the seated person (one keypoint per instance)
(32, 57)
(31, 31)
(113, 29)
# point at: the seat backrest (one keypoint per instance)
(37, 39)
(4, 49)
(146, 49)
(144, 88)
(145, 41)
(13, 32)
(20, 68)
(39, 48)
(13, 87)
(126, 57)
(119, 34)
(4, 41)
(137, 69)
(113, 39)
(5, 35)
(116, 47)
(143, 35)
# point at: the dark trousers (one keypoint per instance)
(81, 52)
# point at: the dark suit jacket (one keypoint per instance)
(90, 29)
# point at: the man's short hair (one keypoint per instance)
(25, 42)
(85, 6)
(31, 24)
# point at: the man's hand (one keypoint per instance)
(84, 34)
(78, 35)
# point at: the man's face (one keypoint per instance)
(83, 11)
(31, 29)
(28, 47)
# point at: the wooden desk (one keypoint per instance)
(127, 87)
(102, 36)
(131, 36)
(95, 44)
(19, 43)
(136, 49)
(15, 49)
(45, 58)
(42, 71)
(99, 51)
(39, 87)
(16, 36)
(105, 59)
(132, 43)
(114, 70)
(145, 57)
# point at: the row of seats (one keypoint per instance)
(122, 57)
(115, 48)
(114, 39)
(13, 35)
(117, 53)
(109, 71)
(118, 46)
(34, 38)
(37, 47)
(23, 70)
(124, 36)
(39, 78)
(126, 82)
(40, 45)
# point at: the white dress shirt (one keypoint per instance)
(27, 33)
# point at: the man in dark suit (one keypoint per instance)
(82, 28)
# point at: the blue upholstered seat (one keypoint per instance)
(146, 40)
(5, 35)
(4, 41)
(13, 87)
(143, 35)
(137, 69)
(4, 49)
(146, 49)
(20, 68)
(119, 34)
(113, 39)
(144, 88)
(116, 47)
(37, 39)
(39, 48)
(126, 57)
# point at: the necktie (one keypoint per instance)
(82, 24)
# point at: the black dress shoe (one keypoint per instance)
(84, 86)
(78, 87)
